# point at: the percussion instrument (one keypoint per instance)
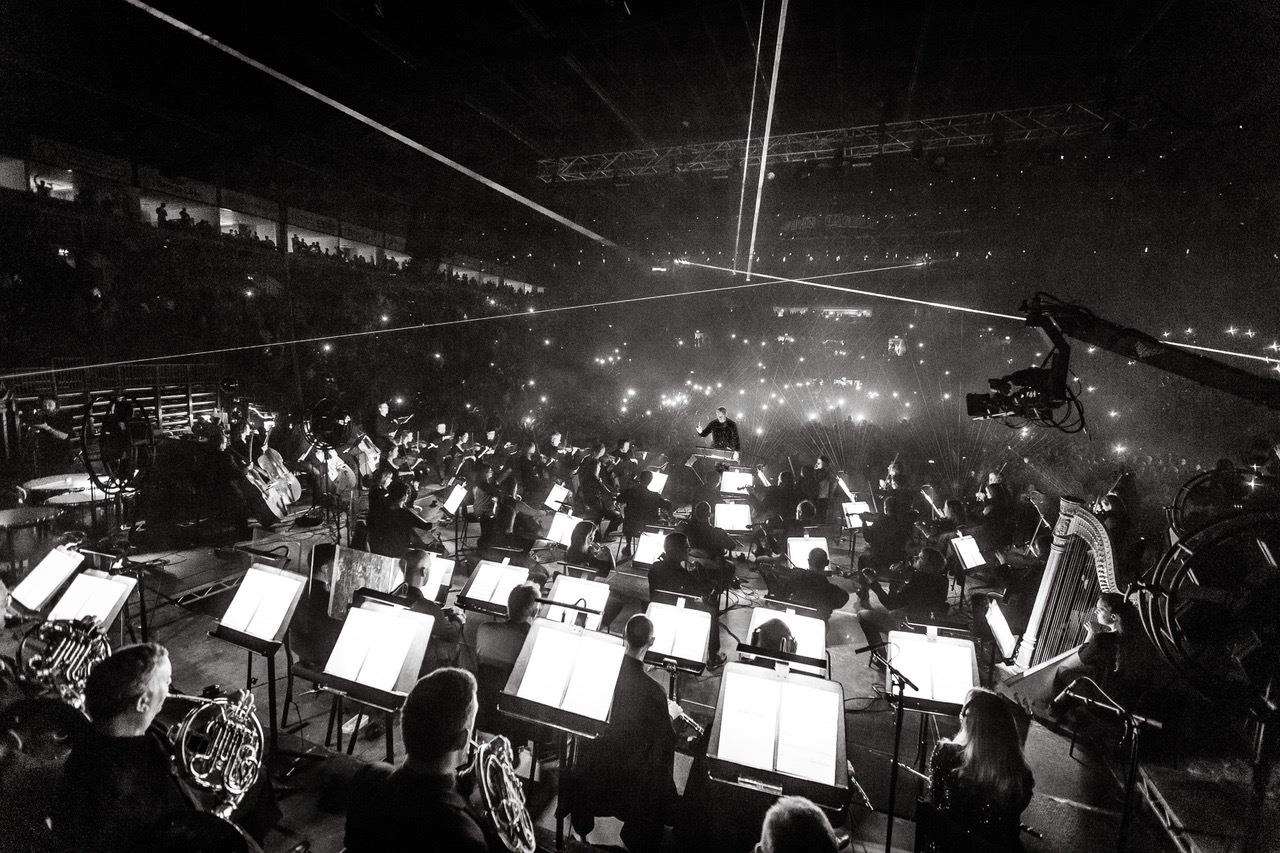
(23, 529)
(57, 483)
(80, 509)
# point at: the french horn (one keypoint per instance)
(218, 747)
(501, 795)
(57, 656)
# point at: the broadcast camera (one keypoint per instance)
(1034, 394)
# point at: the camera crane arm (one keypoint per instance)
(1056, 318)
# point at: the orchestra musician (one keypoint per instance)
(808, 586)
(594, 493)
(793, 824)
(723, 431)
(383, 427)
(888, 537)
(392, 520)
(672, 573)
(416, 806)
(530, 469)
(628, 772)
(704, 536)
(437, 450)
(584, 550)
(641, 507)
(1100, 655)
(446, 632)
(924, 595)
(53, 427)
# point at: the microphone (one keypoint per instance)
(871, 647)
(1066, 692)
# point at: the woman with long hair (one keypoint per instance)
(980, 779)
(585, 551)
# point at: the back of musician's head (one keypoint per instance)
(522, 602)
(796, 824)
(438, 714)
(721, 410)
(992, 748)
(702, 511)
(675, 546)
(930, 561)
(806, 512)
(771, 635)
(116, 684)
(639, 632)
(818, 559)
(646, 477)
(415, 562)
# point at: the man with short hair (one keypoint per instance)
(723, 432)
(923, 596)
(808, 586)
(796, 825)
(628, 771)
(117, 782)
(446, 632)
(416, 806)
(671, 573)
(498, 643)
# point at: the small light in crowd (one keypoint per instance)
(631, 392)
(813, 416)
(1120, 448)
(530, 309)
(399, 401)
(759, 430)
(546, 342)
(327, 347)
(386, 319)
(946, 396)
(531, 383)
(248, 293)
(1113, 414)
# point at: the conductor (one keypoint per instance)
(723, 432)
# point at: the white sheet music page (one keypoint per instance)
(595, 674)
(582, 592)
(261, 603)
(391, 638)
(91, 595)
(749, 718)
(798, 548)
(952, 671)
(649, 548)
(484, 581)
(807, 720)
(692, 633)
(439, 573)
(659, 482)
(43, 581)
(509, 578)
(549, 667)
(967, 548)
(733, 516)
(559, 494)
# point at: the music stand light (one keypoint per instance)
(659, 482)
(37, 589)
(731, 516)
(649, 548)
(780, 733)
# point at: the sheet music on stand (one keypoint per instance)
(562, 524)
(439, 577)
(853, 512)
(1006, 643)
(733, 516)
(454, 499)
(95, 594)
(262, 608)
(966, 549)
(558, 496)
(49, 575)
(353, 570)
(659, 482)
(564, 678)
(943, 668)
(378, 653)
(735, 482)
(810, 633)
(680, 635)
(489, 586)
(780, 733)
(798, 548)
(566, 589)
(649, 548)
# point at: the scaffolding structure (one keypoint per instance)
(853, 145)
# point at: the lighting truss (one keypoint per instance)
(852, 144)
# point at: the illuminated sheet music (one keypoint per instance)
(43, 581)
(93, 594)
(439, 574)
(941, 667)
(1000, 630)
(562, 524)
(550, 665)
(262, 602)
(595, 674)
(649, 548)
(579, 591)
(659, 482)
(454, 500)
(493, 582)
(807, 732)
(966, 547)
(575, 671)
(733, 516)
(735, 482)
(749, 718)
(798, 548)
(679, 632)
(371, 648)
(559, 494)
(853, 511)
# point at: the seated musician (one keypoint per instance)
(416, 806)
(641, 507)
(808, 587)
(888, 537)
(980, 780)
(393, 523)
(498, 646)
(672, 573)
(118, 781)
(482, 498)
(529, 469)
(924, 595)
(628, 771)
(772, 635)
(723, 432)
(794, 824)
(703, 535)
(595, 496)
(584, 550)
(1100, 656)
(446, 632)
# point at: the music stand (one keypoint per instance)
(562, 524)
(798, 548)
(376, 660)
(257, 620)
(658, 483)
(95, 594)
(489, 585)
(557, 498)
(810, 633)
(649, 548)
(780, 733)
(733, 482)
(439, 577)
(970, 556)
(680, 634)
(569, 593)
(37, 589)
(733, 516)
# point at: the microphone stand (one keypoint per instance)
(899, 682)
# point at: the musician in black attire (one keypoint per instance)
(808, 587)
(723, 432)
(628, 771)
(595, 495)
(703, 535)
(530, 471)
(1099, 657)
(888, 537)
(392, 522)
(54, 432)
(117, 782)
(924, 595)
(416, 806)
(641, 507)
(383, 427)
(446, 632)
(672, 573)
